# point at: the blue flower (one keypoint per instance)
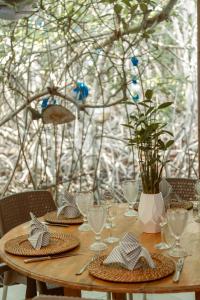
(136, 98)
(134, 61)
(81, 91)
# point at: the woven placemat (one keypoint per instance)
(51, 217)
(174, 204)
(58, 243)
(164, 267)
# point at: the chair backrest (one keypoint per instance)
(15, 209)
(183, 187)
(43, 297)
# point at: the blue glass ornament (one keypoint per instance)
(134, 61)
(134, 80)
(81, 91)
(44, 103)
(136, 98)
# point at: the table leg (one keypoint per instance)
(116, 296)
(197, 295)
(31, 290)
(72, 292)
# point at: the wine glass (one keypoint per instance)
(96, 219)
(162, 245)
(177, 220)
(83, 201)
(130, 189)
(112, 213)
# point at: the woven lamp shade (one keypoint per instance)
(57, 114)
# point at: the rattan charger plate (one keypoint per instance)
(58, 243)
(174, 204)
(164, 267)
(51, 217)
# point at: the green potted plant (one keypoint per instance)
(151, 139)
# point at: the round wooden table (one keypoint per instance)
(62, 271)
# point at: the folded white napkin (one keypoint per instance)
(39, 235)
(68, 207)
(128, 253)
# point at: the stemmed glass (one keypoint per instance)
(177, 220)
(162, 245)
(112, 213)
(83, 201)
(96, 219)
(130, 189)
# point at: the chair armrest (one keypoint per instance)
(4, 268)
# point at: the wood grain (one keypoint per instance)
(62, 271)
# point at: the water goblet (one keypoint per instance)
(162, 245)
(130, 189)
(112, 213)
(83, 201)
(96, 219)
(177, 220)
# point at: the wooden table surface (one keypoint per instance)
(62, 271)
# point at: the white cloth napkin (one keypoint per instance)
(39, 235)
(68, 207)
(128, 253)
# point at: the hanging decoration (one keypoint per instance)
(54, 113)
(16, 9)
(135, 89)
(81, 91)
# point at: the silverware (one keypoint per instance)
(179, 267)
(84, 267)
(42, 258)
(54, 224)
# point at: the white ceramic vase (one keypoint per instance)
(151, 208)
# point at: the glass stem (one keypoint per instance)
(97, 237)
(85, 219)
(130, 206)
(177, 245)
(162, 234)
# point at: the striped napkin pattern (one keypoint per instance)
(128, 253)
(68, 207)
(39, 235)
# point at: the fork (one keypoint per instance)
(179, 267)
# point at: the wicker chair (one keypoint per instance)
(183, 187)
(57, 298)
(15, 210)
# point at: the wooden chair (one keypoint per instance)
(183, 187)
(15, 210)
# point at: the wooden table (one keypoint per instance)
(62, 271)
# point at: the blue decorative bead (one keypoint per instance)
(44, 103)
(134, 80)
(136, 98)
(81, 91)
(134, 61)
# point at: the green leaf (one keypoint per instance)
(129, 126)
(149, 110)
(143, 104)
(164, 105)
(148, 94)
(143, 7)
(117, 8)
(169, 143)
(127, 2)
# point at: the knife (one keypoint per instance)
(54, 224)
(42, 258)
(179, 267)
